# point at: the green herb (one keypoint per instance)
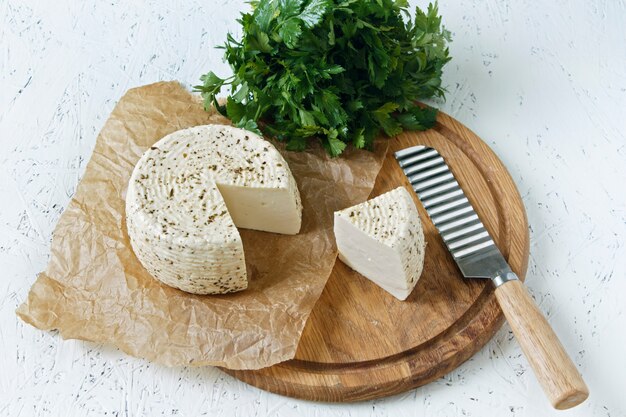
(340, 71)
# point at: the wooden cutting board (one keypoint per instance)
(360, 342)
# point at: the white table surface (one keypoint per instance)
(544, 83)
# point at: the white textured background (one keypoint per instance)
(544, 83)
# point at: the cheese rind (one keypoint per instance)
(383, 240)
(191, 190)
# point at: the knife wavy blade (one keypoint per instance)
(462, 231)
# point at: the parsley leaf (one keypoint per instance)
(314, 11)
(290, 8)
(338, 71)
(290, 32)
(335, 146)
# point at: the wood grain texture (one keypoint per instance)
(362, 343)
(553, 367)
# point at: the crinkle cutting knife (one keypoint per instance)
(477, 256)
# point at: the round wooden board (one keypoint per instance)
(360, 342)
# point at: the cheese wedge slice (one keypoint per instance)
(382, 239)
(191, 190)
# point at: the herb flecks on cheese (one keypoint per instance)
(382, 239)
(191, 190)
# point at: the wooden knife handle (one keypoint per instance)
(554, 369)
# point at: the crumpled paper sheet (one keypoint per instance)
(94, 288)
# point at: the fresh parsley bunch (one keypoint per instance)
(340, 71)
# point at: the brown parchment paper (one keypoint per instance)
(95, 289)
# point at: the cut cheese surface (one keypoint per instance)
(383, 240)
(191, 190)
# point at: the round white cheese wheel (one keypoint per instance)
(191, 190)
